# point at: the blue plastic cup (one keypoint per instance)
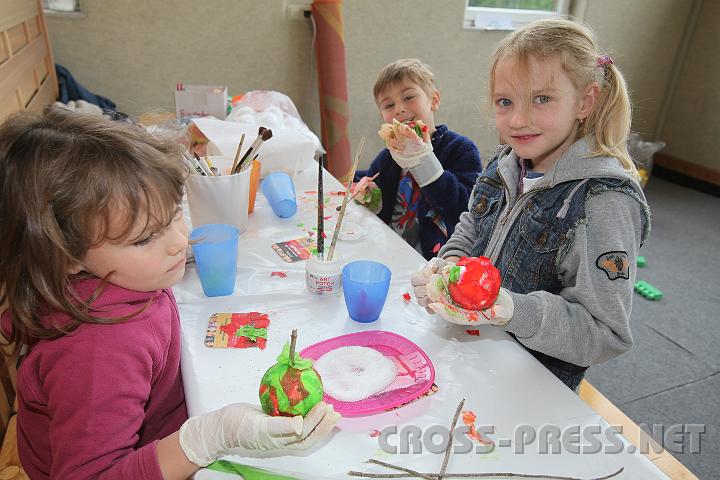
(365, 285)
(215, 247)
(279, 190)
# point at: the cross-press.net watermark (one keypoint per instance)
(546, 439)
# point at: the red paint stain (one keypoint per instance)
(406, 297)
(256, 319)
(436, 248)
(474, 333)
(278, 274)
(311, 192)
(328, 217)
(374, 433)
(469, 418)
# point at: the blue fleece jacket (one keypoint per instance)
(448, 195)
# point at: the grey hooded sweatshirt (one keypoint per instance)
(587, 322)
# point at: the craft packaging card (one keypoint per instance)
(237, 330)
(201, 101)
(295, 250)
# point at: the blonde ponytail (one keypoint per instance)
(609, 123)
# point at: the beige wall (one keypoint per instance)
(692, 128)
(135, 52)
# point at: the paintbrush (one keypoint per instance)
(237, 153)
(352, 197)
(190, 165)
(204, 168)
(336, 233)
(265, 136)
(213, 168)
(321, 206)
(195, 165)
(254, 145)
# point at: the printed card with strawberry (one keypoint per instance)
(237, 330)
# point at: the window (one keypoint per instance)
(61, 6)
(511, 14)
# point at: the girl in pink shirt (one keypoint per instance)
(93, 239)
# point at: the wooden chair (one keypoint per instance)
(27, 69)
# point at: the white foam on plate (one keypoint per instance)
(350, 374)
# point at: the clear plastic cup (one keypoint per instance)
(215, 247)
(365, 286)
(279, 190)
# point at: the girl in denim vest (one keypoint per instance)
(558, 210)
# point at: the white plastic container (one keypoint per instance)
(323, 277)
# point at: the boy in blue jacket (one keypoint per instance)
(425, 182)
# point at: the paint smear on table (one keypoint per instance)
(474, 333)
(278, 274)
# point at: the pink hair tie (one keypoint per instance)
(604, 61)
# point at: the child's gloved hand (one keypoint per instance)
(442, 303)
(422, 277)
(240, 427)
(366, 192)
(407, 148)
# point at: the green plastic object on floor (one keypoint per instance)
(641, 262)
(246, 471)
(648, 291)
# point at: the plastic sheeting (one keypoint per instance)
(501, 382)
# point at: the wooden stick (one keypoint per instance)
(448, 450)
(434, 476)
(336, 233)
(237, 153)
(293, 339)
(402, 469)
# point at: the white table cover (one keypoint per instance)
(501, 382)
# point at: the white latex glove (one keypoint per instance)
(421, 278)
(408, 149)
(239, 427)
(442, 303)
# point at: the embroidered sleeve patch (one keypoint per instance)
(614, 264)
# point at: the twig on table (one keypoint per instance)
(402, 469)
(448, 450)
(434, 476)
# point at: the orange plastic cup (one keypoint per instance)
(254, 182)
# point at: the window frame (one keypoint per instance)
(518, 17)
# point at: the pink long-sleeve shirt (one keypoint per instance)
(94, 403)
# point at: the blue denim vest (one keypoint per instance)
(539, 239)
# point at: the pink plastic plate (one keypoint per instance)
(415, 371)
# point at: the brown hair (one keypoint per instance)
(575, 46)
(407, 68)
(64, 179)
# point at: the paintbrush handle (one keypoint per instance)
(353, 169)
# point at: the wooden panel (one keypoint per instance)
(41, 70)
(33, 28)
(4, 48)
(637, 436)
(17, 38)
(45, 96)
(8, 106)
(14, 12)
(694, 170)
(27, 87)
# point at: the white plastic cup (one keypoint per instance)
(220, 199)
(324, 277)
